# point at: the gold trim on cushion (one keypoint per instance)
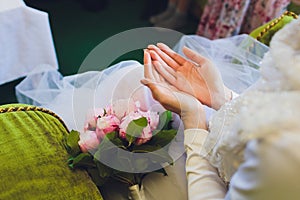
(271, 25)
(32, 108)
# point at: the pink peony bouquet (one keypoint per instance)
(122, 144)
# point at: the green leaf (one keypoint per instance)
(82, 160)
(111, 135)
(125, 177)
(97, 179)
(124, 160)
(72, 143)
(105, 150)
(109, 146)
(145, 148)
(163, 137)
(135, 128)
(165, 119)
(104, 170)
(108, 151)
(113, 138)
(155, 154)
(141, 164)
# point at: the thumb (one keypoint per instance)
(164, 95)
(154, 88)
(146, 82)
(194, 56)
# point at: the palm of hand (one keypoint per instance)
(187, 106)
(197, 76)
(189, 79)
(169, 96)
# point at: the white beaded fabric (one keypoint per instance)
(268, 107)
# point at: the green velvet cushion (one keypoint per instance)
(33, 158)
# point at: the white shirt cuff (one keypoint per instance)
(194, 138)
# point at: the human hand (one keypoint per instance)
(188, 107)
(197, 76)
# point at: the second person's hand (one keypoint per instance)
(188, 107)
(197, 76)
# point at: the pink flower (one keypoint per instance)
(122, 106)
(106, 124)
(91, 119)
(108, 111)
(88, 141)
(125, 121)
(152, 117)
(146, 134)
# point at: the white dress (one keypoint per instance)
(72, 96)
(253, 141)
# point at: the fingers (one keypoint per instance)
(156, 90)
(183, 104)
(164, 72)
(164, 95)
(149, 70)
(147, 82)
(160, 63)
(197, 58)
(147, 65)
(166, 58)
(156, 75)
(178, 58)
(163, 69)
(156, 93)
(147, 58)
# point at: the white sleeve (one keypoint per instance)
(270, 170)
(203, 180)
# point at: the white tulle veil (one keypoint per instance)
(238, 59)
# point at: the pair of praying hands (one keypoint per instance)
(183, 85)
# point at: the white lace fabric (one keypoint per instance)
(269, 107)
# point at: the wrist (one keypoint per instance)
(194, 120)
(223, 98)
(194, 125)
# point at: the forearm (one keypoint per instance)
(203, 179)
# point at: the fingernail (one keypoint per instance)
(185, 47)
(151, 52)
(162, 45)
(151, 46)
